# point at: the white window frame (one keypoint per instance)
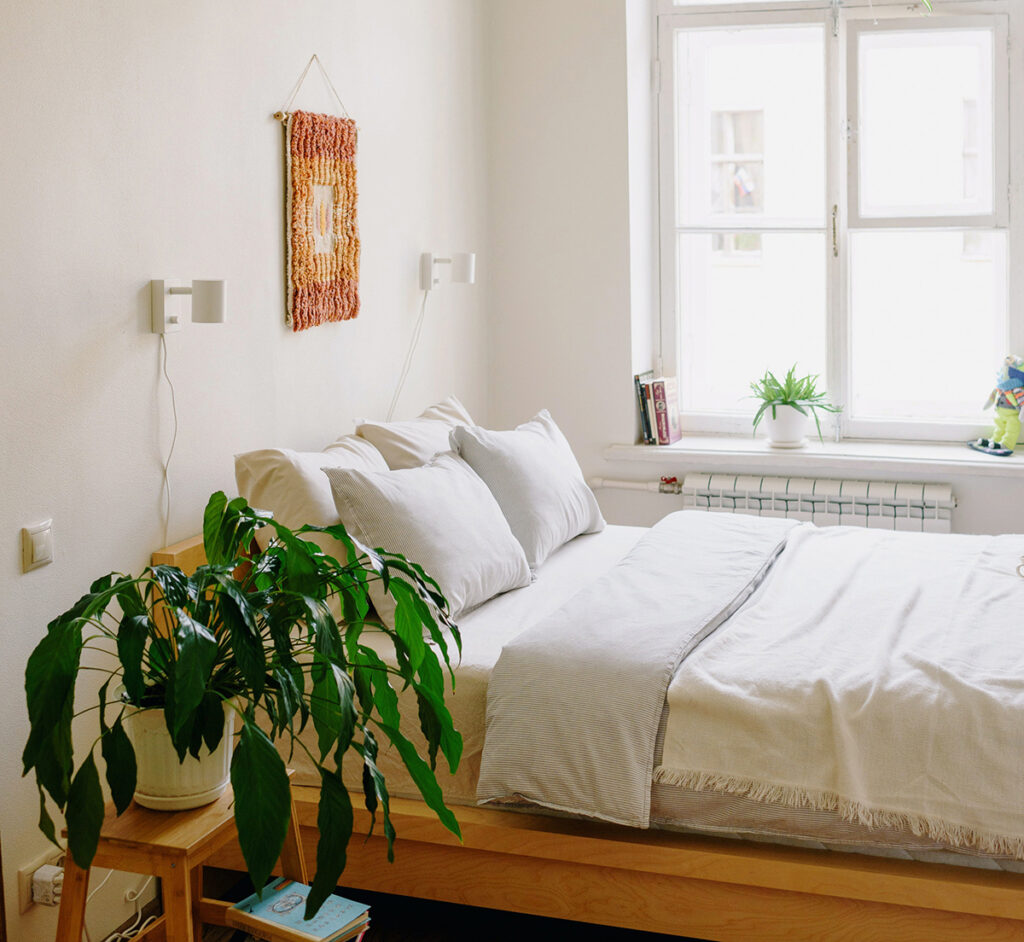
(842, 20)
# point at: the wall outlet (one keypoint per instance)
(51, 856)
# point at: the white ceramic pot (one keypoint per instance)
(166, 784)
(788, 429)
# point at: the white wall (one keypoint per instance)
(138, 144)
(559, 295)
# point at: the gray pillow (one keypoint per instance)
(440, 515)
(534, 476)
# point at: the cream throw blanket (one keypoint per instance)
(875, 673)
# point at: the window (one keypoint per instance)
(834, 192)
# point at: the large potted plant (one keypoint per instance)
(787, 405)
(253, 634)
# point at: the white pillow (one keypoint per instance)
(534, 476)
(291, 484)
(414, 442)
(441, 516)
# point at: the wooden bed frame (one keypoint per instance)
(700, 887)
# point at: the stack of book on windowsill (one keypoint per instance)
(278, 916)
(658, 402)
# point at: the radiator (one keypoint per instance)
(886, 505)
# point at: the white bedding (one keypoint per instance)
(485, 630)
(877, 674)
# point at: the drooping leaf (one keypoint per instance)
(423, 777)
(375, 788)
(334, 821)
(197, 652)
(132, 633)
(262, 801)
(173, 583)
(50, 689)
(119, 757)
(46, 822)
(331, 705)
(407, 622)
(84, 813)
(211, 720)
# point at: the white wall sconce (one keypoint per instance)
(208, 304)
(463, 268)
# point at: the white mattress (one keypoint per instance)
(484, 631)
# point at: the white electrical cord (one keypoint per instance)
(174, 439)
(408, 357)
(138, 926)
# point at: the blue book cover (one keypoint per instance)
(282, 908)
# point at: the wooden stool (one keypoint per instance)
(172, 845)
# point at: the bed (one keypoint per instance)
(714, 863)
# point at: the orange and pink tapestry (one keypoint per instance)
(322, 241)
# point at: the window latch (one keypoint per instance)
(835, 231)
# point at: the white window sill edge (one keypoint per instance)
(743, 453)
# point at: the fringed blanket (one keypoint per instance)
(574, 703)
(878, 674)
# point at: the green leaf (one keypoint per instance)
(50, 691)
(46, 822)
(174, 585)
(197, 652)
(407, 622)
(132, 633)
(331, 705)
(213, 517)
(84, 813)
(119, 757)
(262, 801)
(374, 788)
(334, 822)
(211, 720)
(423, 777)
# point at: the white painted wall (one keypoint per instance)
(559, 293)
(138, 143)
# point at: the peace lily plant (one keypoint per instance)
(254, 632)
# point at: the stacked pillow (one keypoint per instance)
(477, 517)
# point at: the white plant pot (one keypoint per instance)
(166, 784)
(788, 429)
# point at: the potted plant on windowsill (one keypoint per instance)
(253, 636)
(787, 405)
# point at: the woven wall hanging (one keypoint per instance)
(321, 227)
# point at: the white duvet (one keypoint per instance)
(875, 673)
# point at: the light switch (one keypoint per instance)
(37, 545)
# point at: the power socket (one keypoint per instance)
(25, 901)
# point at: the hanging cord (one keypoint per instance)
(174, 439)
(295, 91)
(417, 330)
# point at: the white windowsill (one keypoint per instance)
(743, 453)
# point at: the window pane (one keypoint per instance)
(929, 322)
(926, 122)
(750, 124)
(749, 301)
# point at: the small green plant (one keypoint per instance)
(802, 394)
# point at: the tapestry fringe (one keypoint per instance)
(795, 796)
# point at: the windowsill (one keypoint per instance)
(743, 453)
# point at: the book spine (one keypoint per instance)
(661, 411)
(645, 428)
(649, 412)
(675, 432)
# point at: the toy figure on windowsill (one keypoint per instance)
(1008, 398)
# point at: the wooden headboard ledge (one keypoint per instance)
(188, 555)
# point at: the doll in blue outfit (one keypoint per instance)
(1008, 398)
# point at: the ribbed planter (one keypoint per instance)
(166, 784)
(788, 429)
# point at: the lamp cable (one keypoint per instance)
(417, 330)
(174, 439)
